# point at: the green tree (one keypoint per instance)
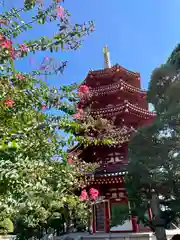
(154, 152)
(37, 185)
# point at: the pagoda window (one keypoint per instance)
(112, 189)
(114, 195)
(121, 194)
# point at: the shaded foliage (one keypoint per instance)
(154, 150)
(37, 185)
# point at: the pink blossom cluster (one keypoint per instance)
(20, 76)
(23, 48)
(9, 102)
(79, 114)
(70, 161)
(59, 10)
(6, 44)
(83, 89)
(92, 194)
(44, 107)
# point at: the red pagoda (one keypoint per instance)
(114, 94)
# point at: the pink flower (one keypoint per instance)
(23, 48)
(39, 1)
(92, 28)
(84, 195)
(17, 54)
(43, 107)
(70, 161)
(20, 76)
(83, 89)
(3, 21)
(2, 37)
(60, 11)
(42, 67)
(7, 44)
(46, 58)
(12, 53)
(9, 102)
(93, 193)
(79, 114)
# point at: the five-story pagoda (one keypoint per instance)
(114, 94)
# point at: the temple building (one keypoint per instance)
(114, 94)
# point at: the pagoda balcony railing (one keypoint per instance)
(111, 88)
(125, 107)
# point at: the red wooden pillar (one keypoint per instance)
(134, 224)
(150, 214)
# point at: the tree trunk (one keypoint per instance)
(157, 221)
(90, 224)
(68, 221)
(68, 225)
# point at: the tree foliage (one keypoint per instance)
(154, 150)
(37, 185)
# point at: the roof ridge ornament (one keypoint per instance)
(107, 63)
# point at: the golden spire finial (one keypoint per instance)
(107, 63)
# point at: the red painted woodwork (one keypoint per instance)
(150, 214)
(114, 94)
(134, 224)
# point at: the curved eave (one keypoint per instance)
(113, 69)
(75, 150)
(118, 139)
(99, 174)
(123, 108)
(112, 88)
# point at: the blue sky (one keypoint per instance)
(140, 35)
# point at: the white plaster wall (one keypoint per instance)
(127, 226)
(119, 236)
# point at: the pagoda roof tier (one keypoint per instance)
(122, 108)
(111, 169)
(117, 140)
(119, 135)
(121, 85)
(113, 69)
(123, 131)
(108, 75)
(106, 179)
